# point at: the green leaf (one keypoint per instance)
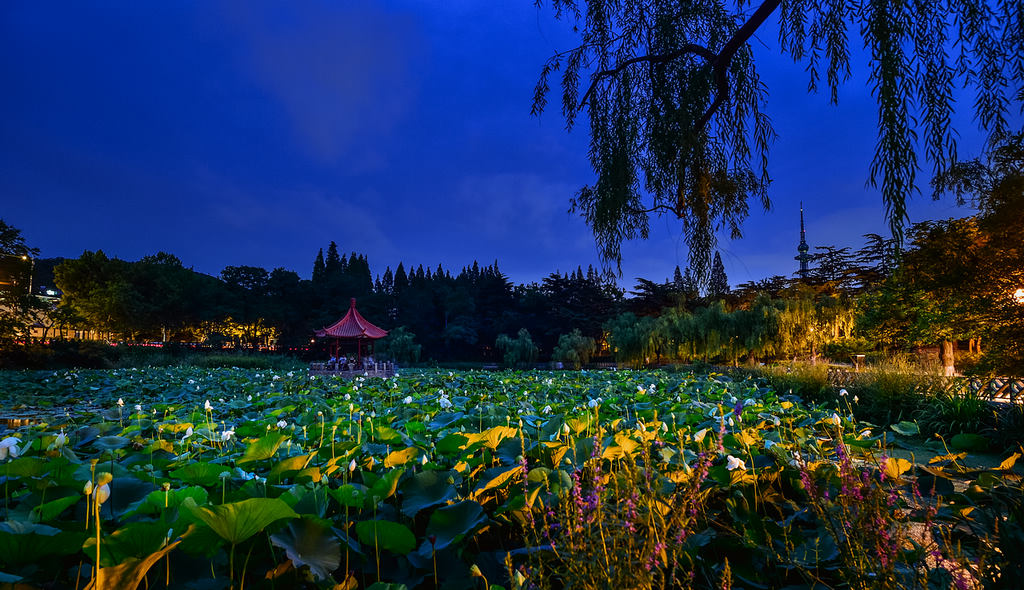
(495, 478)
(158, 500)
(135, 540)
(290, 465)
(426, 489)
(399, 458)
(111, 443)
(31, 466)
(906, 428)
(386, 435)
(385, 487)
(263, 448)
(384, 534)
(130, 573)
(50, 510)
(451, 523)
(451, 444)
(306, 542)
(237, 521)
(969, 442)
(351, 495)
(383, 586)
(24, 542)
(203, 474)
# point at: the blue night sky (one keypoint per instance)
(248, 133)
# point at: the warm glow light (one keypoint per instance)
(1018, 296)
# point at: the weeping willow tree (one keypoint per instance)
(632, 339)
(675, 103)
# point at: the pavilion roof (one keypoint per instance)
(353, 325)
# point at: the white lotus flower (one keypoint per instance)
(352, 465)
(226, 435)
(290, 373)
(207, 406)
(836, 419)
(9, 446)
(593, 403)
(248, 399)
(120, 403)
(699, 435)
(407, 400)
(87, 488)
(188, 433)
(546, 410)
(423, 461)
(733, 463)
(281, 423)
(138, 407)
(191, 381)
(60, 441)
(856, 399)
(444, 402)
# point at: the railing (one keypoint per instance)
(996, 389)
(351, 370)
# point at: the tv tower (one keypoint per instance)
(803, 257)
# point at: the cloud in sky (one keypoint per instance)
(345, 74)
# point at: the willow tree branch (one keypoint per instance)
(700, 50)
(719, 63)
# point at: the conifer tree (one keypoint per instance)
(718, 283)
(319, 269)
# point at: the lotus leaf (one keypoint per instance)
(384, 534)
(495, 478)
(263, 448)
(399, 458)
(351, 495)
(24, 542)
(203, 474)
(451, 444)
(450, 523)
(53, 509)
(308, 543)
(290, 465)
(130, 573)
(111, 443)
(426, 489)
(237, 521)
(906, 428)
(969, 442)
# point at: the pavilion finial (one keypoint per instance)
(353, 302)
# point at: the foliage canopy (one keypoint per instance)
(675, 102)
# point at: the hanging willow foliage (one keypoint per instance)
(675, 103)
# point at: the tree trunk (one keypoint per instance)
(946, 356)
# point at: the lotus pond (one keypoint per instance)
(195, 478)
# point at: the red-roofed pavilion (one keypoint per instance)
(353, 326)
